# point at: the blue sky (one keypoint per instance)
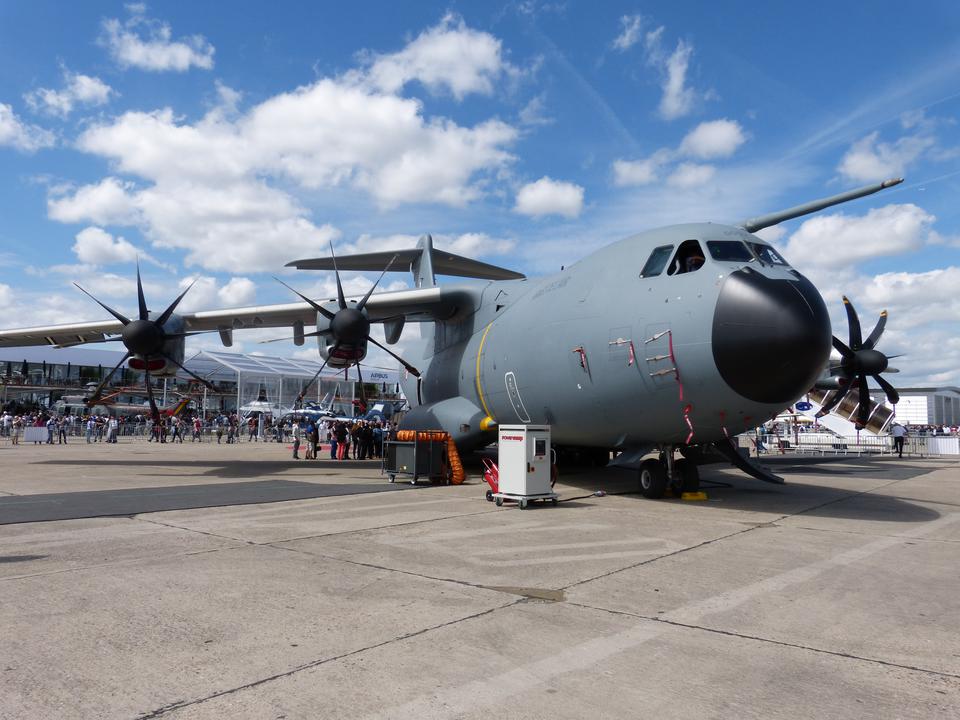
(219, 146)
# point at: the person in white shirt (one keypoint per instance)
(898, 432)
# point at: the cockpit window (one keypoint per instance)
(657, 261)
(729, 251)
(767, 254)
(689, 258)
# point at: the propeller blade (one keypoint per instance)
(877, 331)
(856, 339)
(410, 368)
(834, 401)
(363, 397)
(340, 298)
(154, 412)
(863, 411)
(122, 318)
(188, 372)
(316, 306)
(141, 300)
(892, 395)
(173, 306)
(314, 378)
(316, 333)
(370, 291)
(891, 370)
(103, 383)
(841, 348)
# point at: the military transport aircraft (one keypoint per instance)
(673, 340)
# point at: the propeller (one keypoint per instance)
(349, 325)
(859, 359)
(144, 338)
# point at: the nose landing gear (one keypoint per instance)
(657, 475)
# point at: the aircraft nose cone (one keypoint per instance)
(771, 338)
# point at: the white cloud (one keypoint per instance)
(78, 89)
(106, 203)
(147, 44)
(6, 295)
(640, 172)
(20, 135)
(629, 32)
(449, 56)
(550, 197)
(534, 112)
(839, 239)
(238, 291)
(714, 139)
(323, 135)
(869, 159)
(206, 293)
(678, 99)
(918, 293)
(98, 247)
(223, 187)
(688, 175)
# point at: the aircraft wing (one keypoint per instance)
(417, 305)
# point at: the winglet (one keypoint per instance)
(758, 223)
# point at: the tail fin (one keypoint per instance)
(422, 266)
(424, 262)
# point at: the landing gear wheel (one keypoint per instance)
(653, 479)
(499, 502)
(687, 477)
(555, 502)
(523, 504)
(489, 495)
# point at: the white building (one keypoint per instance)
(925, 406)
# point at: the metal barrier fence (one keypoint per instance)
(140, 432)
(863, 444)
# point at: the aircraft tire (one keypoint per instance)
(653, 479)
(688, 476)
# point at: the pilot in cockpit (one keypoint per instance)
(694, 261)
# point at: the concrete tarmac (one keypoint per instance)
(286, 589)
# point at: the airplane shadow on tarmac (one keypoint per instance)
(233, 469)
(729, 489)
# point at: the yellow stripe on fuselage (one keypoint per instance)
(479, 353)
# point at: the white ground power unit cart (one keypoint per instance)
(524, 464)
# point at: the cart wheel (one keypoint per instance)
(413, 481)
(393, 478)
(499, 502)
(555, 502)
(523, 504)
(489, 495)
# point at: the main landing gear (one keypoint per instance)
(658, 474)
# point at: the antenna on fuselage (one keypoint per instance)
(764, 221)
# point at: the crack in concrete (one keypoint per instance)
(179, 705)
(772, 641)
(771, 523)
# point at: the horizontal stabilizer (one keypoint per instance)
(444, 263)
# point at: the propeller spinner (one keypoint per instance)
(858, 359)
(144, 338)
(349, 327)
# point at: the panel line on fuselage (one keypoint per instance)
(479, 355)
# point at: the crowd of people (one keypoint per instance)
(358, 439)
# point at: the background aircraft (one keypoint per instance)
(674, 340)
